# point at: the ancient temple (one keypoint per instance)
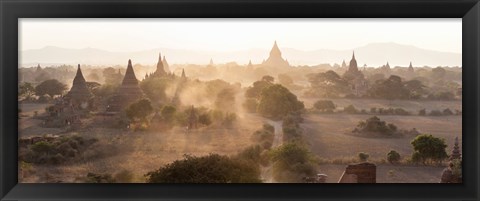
(183, 74)
(160, 72)
(456, 151)
(355, 77)
(166, 66)
(79, 94)
(344, 65)
(410, 71)
(275, 59)
(249, 66)
(128, 92)
(352, 71)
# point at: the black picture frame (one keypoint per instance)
(12, 10)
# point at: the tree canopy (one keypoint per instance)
(50, 87)
(212, 168)
(139, 110)
(327, 84)
(277, 101)
(428, 147)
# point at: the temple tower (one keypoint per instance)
(166, 66)
(160, 72)
(352, 71)
(128, 92)
(456, 151)
(275, 59)
(79, 93)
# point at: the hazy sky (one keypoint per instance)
(124, 35)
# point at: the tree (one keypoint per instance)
(212, 168)
(363, 156)
(427, 147)
(225, 99)
(324, 105)
(112, 76)
(168, 113)
(268, 78)
(139, 110)
(155, 88)
(50, 87)
(277, 101)
(328, 84)
(391, 88)
(26, 90)
(255, 90)
(415, 88)
(291, 161)
(93, 86)
(393, 156)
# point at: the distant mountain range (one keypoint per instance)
(374, 55)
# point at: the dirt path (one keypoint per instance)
(266, 172)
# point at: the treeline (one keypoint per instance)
(328, 107)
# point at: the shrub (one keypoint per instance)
(422, 112)
(350, 109)
(447, 112)
(213, 168)
(393, 156)
(428, 147)
(324, 105)
(363, 156)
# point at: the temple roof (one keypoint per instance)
(166, 66)
(79, 90)
(160, 69)
(130, 78)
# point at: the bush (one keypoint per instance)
(422, 112)
(447, 112)
(324, 105)
(374, 125)
(428, 148)
(393, 156)
(291, 162)
(363, 156)
(350, 109)
(213, 168)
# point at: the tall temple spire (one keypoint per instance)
(388, 65)
(456, 151)
(353, 64)
(160, 70)
(128, 92)
(275, 50)
(166, 67)
(275, 59)
(183, 73)
(211, 62)
(79, 76)
(410, 66)
(79, 91)
(344, 65)
(130, 77)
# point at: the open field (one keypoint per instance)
(409, 105)
(326, 134)
(139, 152)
